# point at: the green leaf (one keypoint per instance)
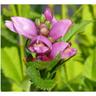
(38, 81)
(75, 29)
(33, 15)
(13, 10)
(11, 38)
(90, 66)
(11, 65)
(73, 69)
(6, 34)
(87, 15)
(25, 11)
(6, 12)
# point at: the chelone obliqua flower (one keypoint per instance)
(44, 35)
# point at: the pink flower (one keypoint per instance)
(22, 26)
(43, 39)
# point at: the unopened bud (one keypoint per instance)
(42, 18)
(37, 21)
(48, 24)
(42, 26)
(44, 31)
(51, 39)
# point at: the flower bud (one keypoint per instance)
(48, 24)
(42, 25)
(42, 18)
(48, 14)
(44, 31)
(37, 22)
(51, 39)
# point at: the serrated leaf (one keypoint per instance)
(38, 81)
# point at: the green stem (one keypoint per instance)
(19, 7)
(21, 53)
(13, 9)
(70, 88)
(51, 7)
(64, 14)
(64, 11)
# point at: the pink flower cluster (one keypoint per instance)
(44, 40)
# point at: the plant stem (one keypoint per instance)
(19, 7)
(64, 14)
(64, 11)
(51, 7)
(13, 10)
(15, 13)
(21, 53)
(70, 88)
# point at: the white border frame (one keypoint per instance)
(48, 2)
(48, 94)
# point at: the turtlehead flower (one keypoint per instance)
(44, 35)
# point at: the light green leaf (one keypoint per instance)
(73, 69)
(76, 28)
(11, 65)
(87, 15)
(25, 11)
(90, 66)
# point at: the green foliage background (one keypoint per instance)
(77, 74)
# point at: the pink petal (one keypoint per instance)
(41, 49)
(31, 48)
(48, 14)
(54, 21)
(57, 48)
(38, 48)
(10, 25)
(69, 52)
(24, 27)
(60, 28)
(42, 39)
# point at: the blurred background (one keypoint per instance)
(78, 74)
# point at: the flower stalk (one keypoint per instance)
(21, 44)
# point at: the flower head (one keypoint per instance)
(43, 35)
